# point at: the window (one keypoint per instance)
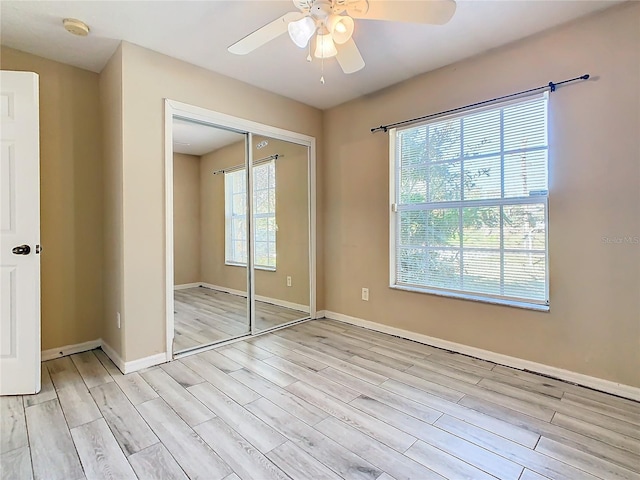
(264, 215)
(470, 204)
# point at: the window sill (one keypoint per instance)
(256, 267)
(475, 298)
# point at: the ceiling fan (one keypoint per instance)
(332, 23)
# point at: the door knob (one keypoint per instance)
(22, 250)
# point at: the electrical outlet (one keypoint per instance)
(365, 294)
(288, 281)
(118, 318)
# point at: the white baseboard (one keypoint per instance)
(184, 286)
(69, 350)
(260, 298)
(606, 386)
(124, 367)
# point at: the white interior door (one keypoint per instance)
(20, 234)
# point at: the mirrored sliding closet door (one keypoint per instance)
(210, 191)
(241, 234)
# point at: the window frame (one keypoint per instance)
(396, 207)
(230, 258)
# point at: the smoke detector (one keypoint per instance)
(76, 27)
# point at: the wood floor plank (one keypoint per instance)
(130, 430)
(77, 404)
(378, 454)
(246, 424)
(229, 385)
(63, 373)
(588, 463)
(457, 447)
(415, 409)
(531, 459)
(330, 453)
(47, 390)
(381, 431)
(554, 432)
(240, 455)
(298, 464)
(135, 388)
(53, 454)
(446, 465)
(182, 374)
(189, 408)
(191, 452)
(299, 408)
(428, 386)
(13, 427)
(623, 414)
(99, 452)
(323, 384)
(155, 462)
(90, 369)
(16, 464)
(253, 364)
(219, 361)
(248, 349)
(530, 475)
(623, 442)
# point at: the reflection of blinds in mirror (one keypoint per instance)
(264, 216)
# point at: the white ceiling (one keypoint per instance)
(199, 32)
(197, 139)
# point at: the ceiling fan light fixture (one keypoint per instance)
(301, 31)
(341, 28)
(325, 48)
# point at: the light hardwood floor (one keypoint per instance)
(320, 400)
(204, 316)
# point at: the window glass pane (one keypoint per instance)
(413, 146)
(262, 232)
(444, 182)
(413, 185)
(240, 251)
(262, 201)
(239, 207)
(525, 125)
(262, 253)
(481, 133)
(272, 200)
(482, 271)
(261, 177)
(486, 167)
(524, 275)
(444, 140)
(239, 228)
(481, 227)
(525, 174)
(238, 181)
(482, 178)
(524, 227)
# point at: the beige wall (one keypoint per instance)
(292, 238)
(148, 78)
(70, 199)
(186, 219)
(594, 324)
(113, 274)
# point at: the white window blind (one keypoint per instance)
(264, 214)
(470, 204)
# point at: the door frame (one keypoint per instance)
(217, 119)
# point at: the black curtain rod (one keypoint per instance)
(551, 86)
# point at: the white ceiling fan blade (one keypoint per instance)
(433, 12)
(349, 57)
(264, 34)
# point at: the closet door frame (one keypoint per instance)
(173, 109)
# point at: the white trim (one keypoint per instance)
(184, 286)
(168, 229)
(219, 288)
(124, 367)
(113, 355)
(52, 353)
(607, 386)
(144, 362)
